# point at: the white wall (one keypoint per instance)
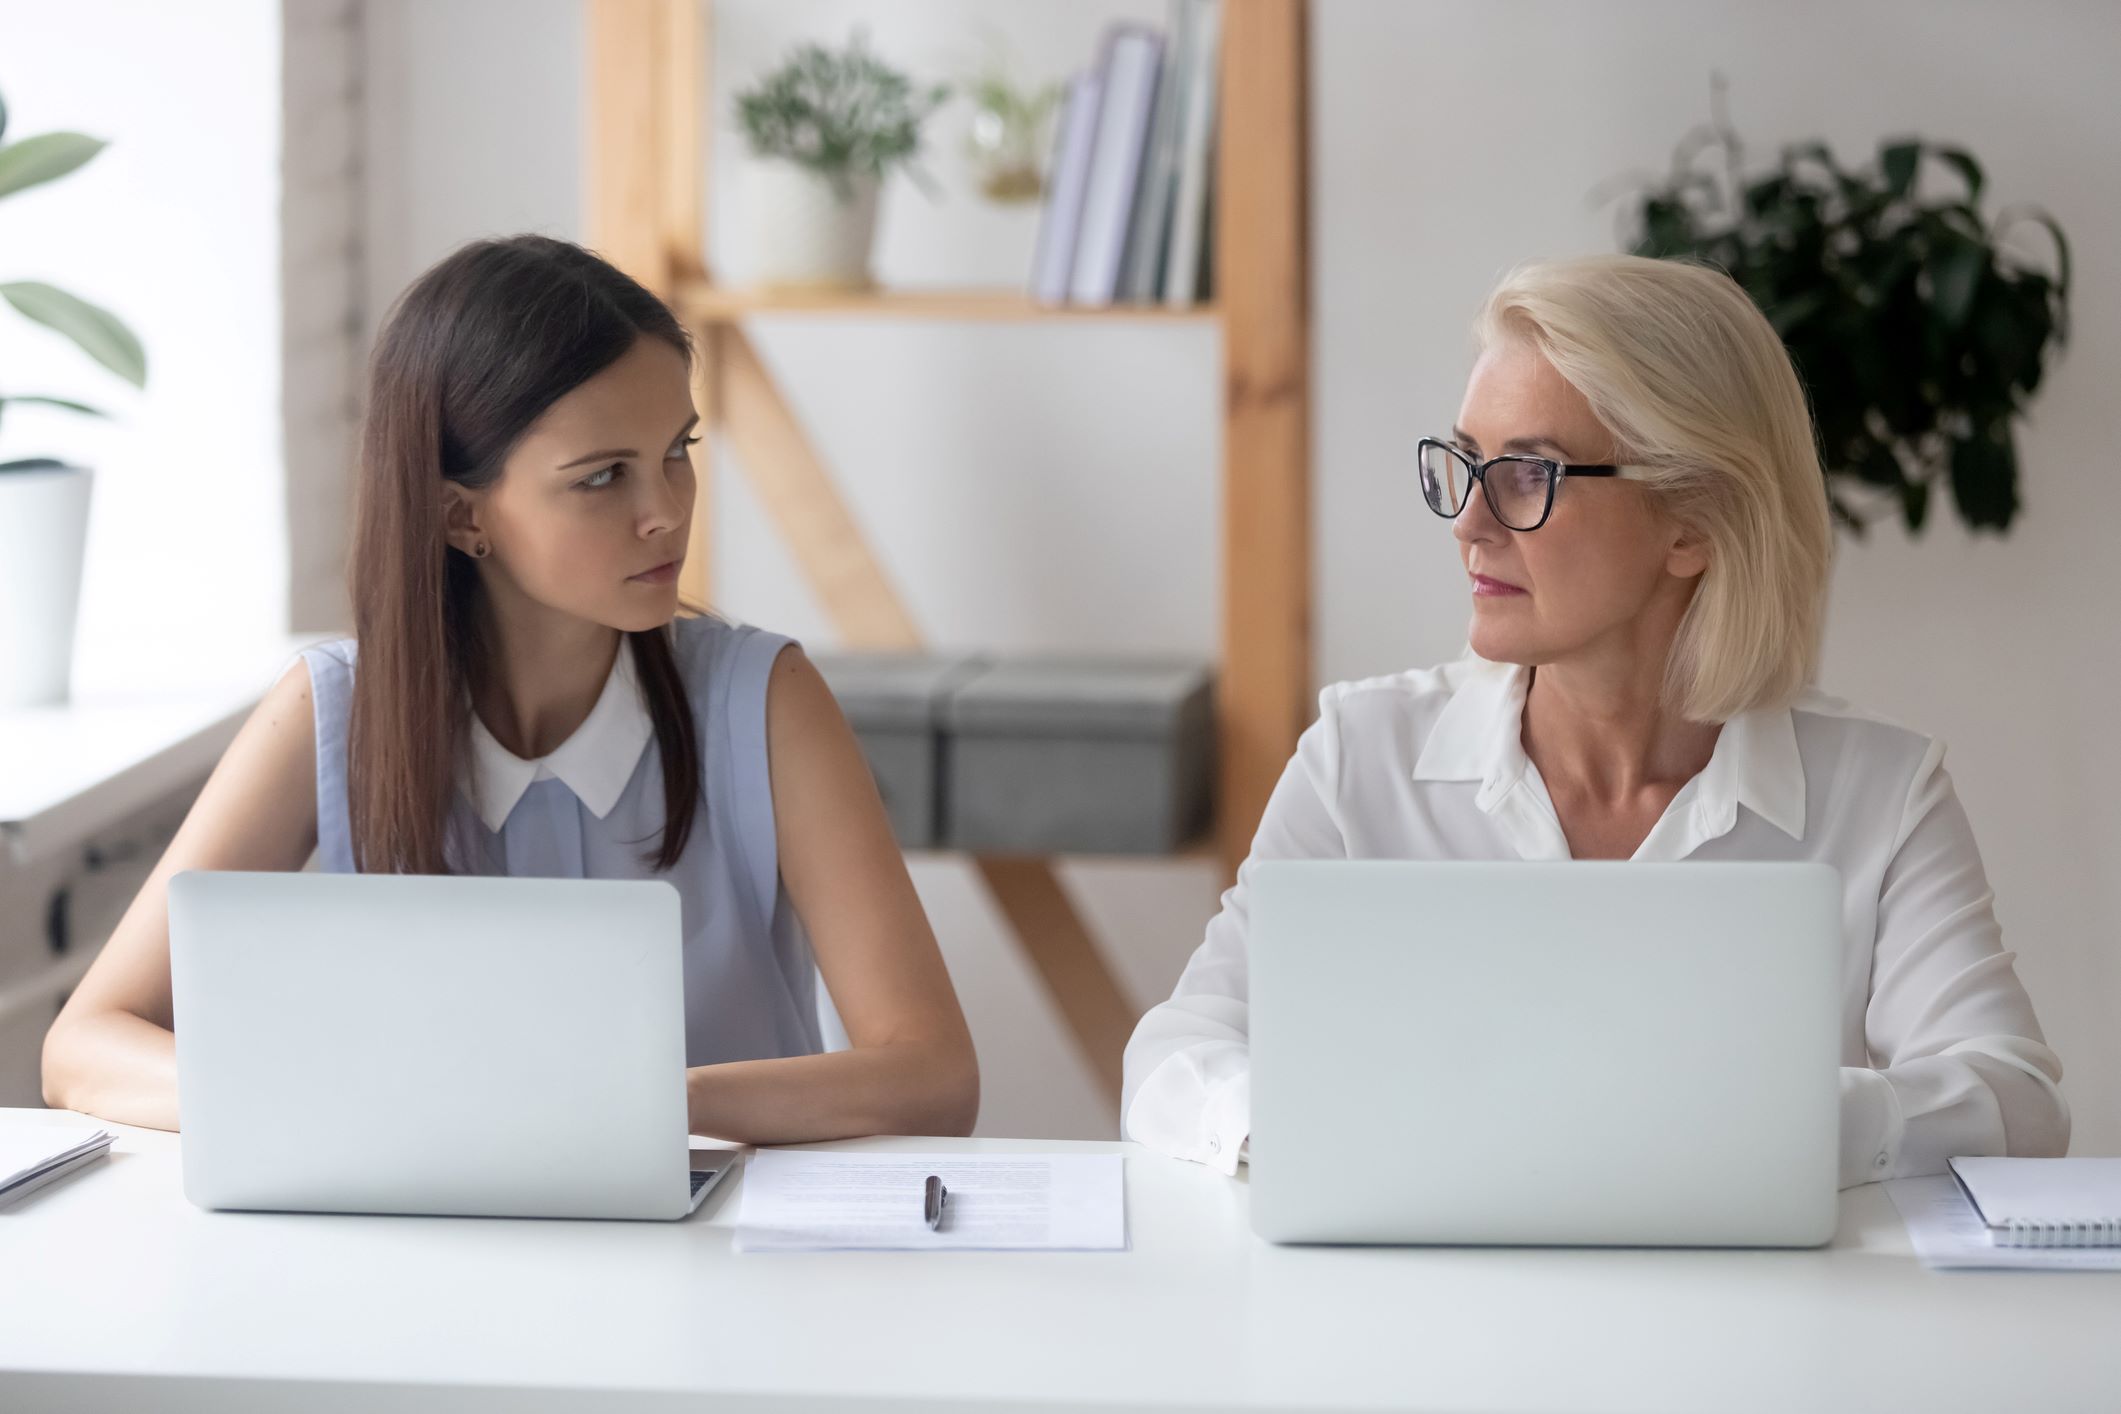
(1053, 487)
(174, 228)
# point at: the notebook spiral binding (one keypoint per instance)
(2022, 1232)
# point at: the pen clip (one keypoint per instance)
(932, 1202)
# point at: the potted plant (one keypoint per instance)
(44, 501)
(1919, 338)
(1009, 137)
(825, 128)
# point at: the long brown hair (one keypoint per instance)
(470, 356)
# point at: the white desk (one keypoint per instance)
(117, 1292)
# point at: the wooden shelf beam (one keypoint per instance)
(1262, 273)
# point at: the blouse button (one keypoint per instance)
(1215, 1146)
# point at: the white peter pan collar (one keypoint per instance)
(1479, 736)
(595, 762)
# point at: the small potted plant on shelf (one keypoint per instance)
(43, 500)
(1010, 133)
(825, 129)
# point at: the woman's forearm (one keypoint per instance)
(908, 1088)
(120, 1067)
(115, 1066)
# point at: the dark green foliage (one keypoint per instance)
(1919, 340)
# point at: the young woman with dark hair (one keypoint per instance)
(523, 696)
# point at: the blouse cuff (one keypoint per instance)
(1872, 1126)
(1226, 1123)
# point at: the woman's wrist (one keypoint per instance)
(699, 1101)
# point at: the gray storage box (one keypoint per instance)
(894, 702)
(1078, 756)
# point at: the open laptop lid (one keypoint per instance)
(1545, 1053)
(408, 1044)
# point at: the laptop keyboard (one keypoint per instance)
(700, 1179)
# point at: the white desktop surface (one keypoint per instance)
(115, 1292)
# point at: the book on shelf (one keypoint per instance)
(1067, 178)
(1186, 252)
(1132, 65)
(1141, 277)
(1125, 218)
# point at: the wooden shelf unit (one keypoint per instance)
(649, 111)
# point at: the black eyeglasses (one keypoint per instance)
(1519, 487)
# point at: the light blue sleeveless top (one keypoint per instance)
(750, 980)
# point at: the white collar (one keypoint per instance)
(1479, 736)
(595, 762)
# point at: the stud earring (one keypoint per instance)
(478, 551)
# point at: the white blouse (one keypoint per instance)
(1940, 1051)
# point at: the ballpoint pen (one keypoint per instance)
(932, 1199)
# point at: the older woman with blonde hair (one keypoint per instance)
(1635, 492)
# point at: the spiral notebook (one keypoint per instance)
(39, 1155)
(2045, 1202)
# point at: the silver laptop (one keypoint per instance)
(399, 1044)
(1570, 1053)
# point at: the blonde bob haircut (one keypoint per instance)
(1690, 378)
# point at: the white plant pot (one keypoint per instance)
(43, 534)
(803, 235)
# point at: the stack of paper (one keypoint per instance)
(814, 1201)
(31, 1158)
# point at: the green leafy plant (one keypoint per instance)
(841, 113)
(1919, 339)
(31, 162)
